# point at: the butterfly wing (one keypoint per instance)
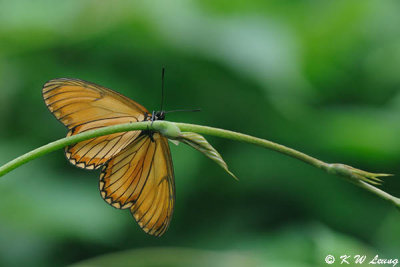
(83, 106)
(141, 178)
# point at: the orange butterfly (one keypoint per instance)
(137, 172)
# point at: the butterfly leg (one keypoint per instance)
(153, 116)
(148, 131)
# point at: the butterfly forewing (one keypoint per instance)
(83, 106)
(141, 178)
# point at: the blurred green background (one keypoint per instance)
(319, 76)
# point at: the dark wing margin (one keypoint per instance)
(82, 106)
(141, 178)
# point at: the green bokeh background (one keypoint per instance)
(322, 77)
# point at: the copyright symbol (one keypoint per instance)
(329, 259)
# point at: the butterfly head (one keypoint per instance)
(158, 115)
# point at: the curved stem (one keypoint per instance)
(185, 127)
(171, 130)
(382, 194)
(330, 168)
(63, 142)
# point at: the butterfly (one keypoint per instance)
(136, 166)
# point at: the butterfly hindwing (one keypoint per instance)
(83, 106)
(141, 178)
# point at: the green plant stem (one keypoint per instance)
(382, 194)
(165, 126)
(330, 168)
(185, 127)
(50, 147)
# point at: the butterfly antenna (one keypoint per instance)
(162, 88)
(183, 110)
